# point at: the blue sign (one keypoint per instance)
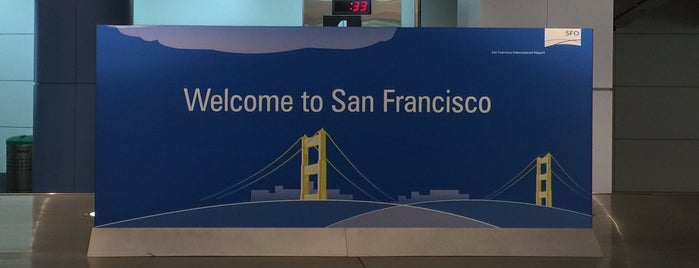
(343, 127)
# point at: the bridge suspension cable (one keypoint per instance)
(583, 195)
(256, 173)
(586, 196)
(350, 181)
(569, 177)
(356, 169)
(261, 177)
(525, 171)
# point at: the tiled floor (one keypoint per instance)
(633, 231)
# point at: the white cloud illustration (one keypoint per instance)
(257, 40)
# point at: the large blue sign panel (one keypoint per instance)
(332, 127)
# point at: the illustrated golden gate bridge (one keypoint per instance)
(314, 175)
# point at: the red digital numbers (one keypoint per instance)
(359, 6)
(350, 7)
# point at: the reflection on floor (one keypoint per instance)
(658, 230)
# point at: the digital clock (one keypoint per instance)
(346, 7)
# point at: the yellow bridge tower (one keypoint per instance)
(544, 195)
(318, 169)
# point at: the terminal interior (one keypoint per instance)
(645, 113)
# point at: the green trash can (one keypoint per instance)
(19, 164)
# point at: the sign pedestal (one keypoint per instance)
(351, 242)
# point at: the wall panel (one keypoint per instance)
(514, 13)
(17, 17)
(16, 104)
(602, 130)
(657, 113)
(219, 12)
(657, 60)
(54, 139)
(656, 165)
(17, 57)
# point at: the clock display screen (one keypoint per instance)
(344, 7)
